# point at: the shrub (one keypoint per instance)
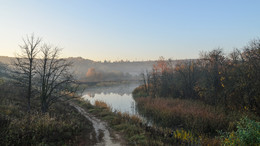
(139, 92)
(102, 104)
(247, 133)
(40, 129)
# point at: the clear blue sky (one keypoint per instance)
(130, 29)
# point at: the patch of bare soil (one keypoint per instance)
(104, 135)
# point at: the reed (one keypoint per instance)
(191, 115)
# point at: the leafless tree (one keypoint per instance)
(55, 79)
(146, 80)
(24, 66)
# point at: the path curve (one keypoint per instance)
(101, 129)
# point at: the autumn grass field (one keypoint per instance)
(193, 115)
(62, 125)
(209, 124)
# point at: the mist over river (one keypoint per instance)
(118, 97)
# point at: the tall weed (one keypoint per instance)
(188, 114)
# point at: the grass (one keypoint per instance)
(188, 114)
(191, 120)
(134, 131)
(62, 125)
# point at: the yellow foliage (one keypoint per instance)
(184, 136)
(102, 105)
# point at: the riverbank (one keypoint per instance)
(210, 124)
(84, 85)
(77, 122)
(133, 130)
(103, 133)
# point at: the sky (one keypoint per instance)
(130, 29)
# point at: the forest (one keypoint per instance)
(207, 95)
(231, 80)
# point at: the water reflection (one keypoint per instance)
(118, 97)
(120, 89)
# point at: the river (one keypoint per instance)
(118, 97)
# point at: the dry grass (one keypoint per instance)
(102, 104)
(62, 125)
(188, 114)
(138, 133)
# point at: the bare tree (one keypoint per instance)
(54, 77)
(146, 80)
(24, 65)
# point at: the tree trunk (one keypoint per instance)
(30, 87)
(44, 106)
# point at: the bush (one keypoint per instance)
(40, 129)
(139, 92)
(247, 133)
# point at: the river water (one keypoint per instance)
(118, 97)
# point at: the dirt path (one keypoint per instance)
(104, 136)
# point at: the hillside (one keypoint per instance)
(108, 70)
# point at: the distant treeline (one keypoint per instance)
(93, 75)
(231, 80)
(104, 71)
(87, 70)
